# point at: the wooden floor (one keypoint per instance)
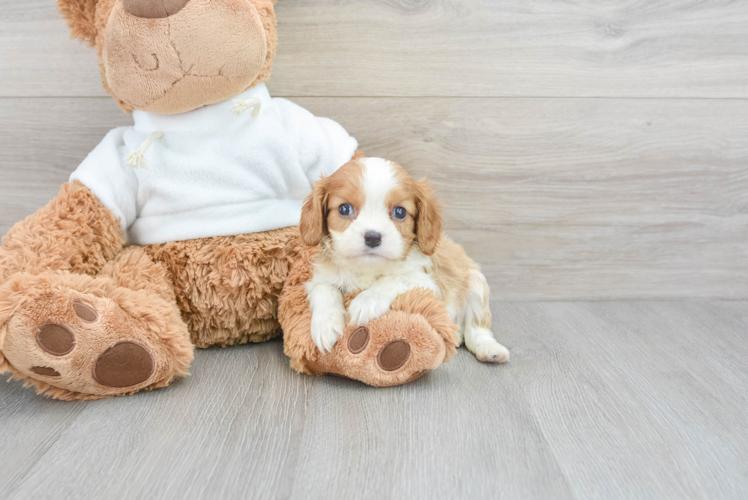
(584, 151)
(608, 400)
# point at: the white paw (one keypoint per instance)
(367, 307)
(327, 327)
(492, 352)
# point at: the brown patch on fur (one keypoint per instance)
(405, 195)
(429, 219)
(227, 288)
(419, 199)
(452, 270)
(320, 211)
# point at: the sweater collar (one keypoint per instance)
(208, 117)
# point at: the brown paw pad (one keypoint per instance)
(55, 339)
(358, 340)
(85, 312)
(123, 365)
(393, 355)
(45, 371)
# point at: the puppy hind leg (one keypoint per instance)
(476, 323)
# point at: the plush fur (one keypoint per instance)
(228, 287)
(67, 266)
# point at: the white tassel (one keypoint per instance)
(242, 105)
(136, 159)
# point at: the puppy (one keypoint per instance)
(380, 233)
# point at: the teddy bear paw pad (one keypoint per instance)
(86, 345)
(358, 340)
(55, 339)
(124, 364)
(393, 355)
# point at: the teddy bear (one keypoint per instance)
(180, 232)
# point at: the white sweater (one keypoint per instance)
(213, 173)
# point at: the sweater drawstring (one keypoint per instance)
(136, 159)
(242, 105)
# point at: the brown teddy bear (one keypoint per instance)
(180, 231)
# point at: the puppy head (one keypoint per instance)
(372, 210)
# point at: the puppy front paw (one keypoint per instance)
(368, 306)
(327, 327)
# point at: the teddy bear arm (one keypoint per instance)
(415, 336)
(73, 232)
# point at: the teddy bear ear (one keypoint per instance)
(80, 15)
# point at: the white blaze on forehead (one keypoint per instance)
(377, 180)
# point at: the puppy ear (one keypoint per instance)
(81, 18)
(428, 219)
(313, 223)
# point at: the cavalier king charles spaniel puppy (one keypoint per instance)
(380, 233)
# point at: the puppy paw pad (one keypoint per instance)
(85, 312)
(45, 371)
(393, 355)
(55, 339)
(123, 365)
(358, 340)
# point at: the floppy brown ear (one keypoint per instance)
(428, 219)
(313, 223)
(81, 17)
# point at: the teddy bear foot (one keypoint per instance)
(392, 350)
(77, 337)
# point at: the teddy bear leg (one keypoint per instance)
(227, 287)
(81, 337)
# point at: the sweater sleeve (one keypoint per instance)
(322, 145)
(104, 173)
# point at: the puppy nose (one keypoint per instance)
(372, 239)
(153, 9)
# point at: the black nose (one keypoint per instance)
(372, 239)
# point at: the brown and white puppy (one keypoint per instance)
(380, 232)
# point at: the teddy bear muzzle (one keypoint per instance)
(178, 55)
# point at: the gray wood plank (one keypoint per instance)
(463, 431)
(556, 198)
(600, 400)
(443, 48)
(637, 399)
(234, 423)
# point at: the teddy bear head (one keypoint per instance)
(173, 56)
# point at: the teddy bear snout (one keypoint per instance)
(204, 53)
(153, 9)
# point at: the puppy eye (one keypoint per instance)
(345, 209)
(399, 213)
